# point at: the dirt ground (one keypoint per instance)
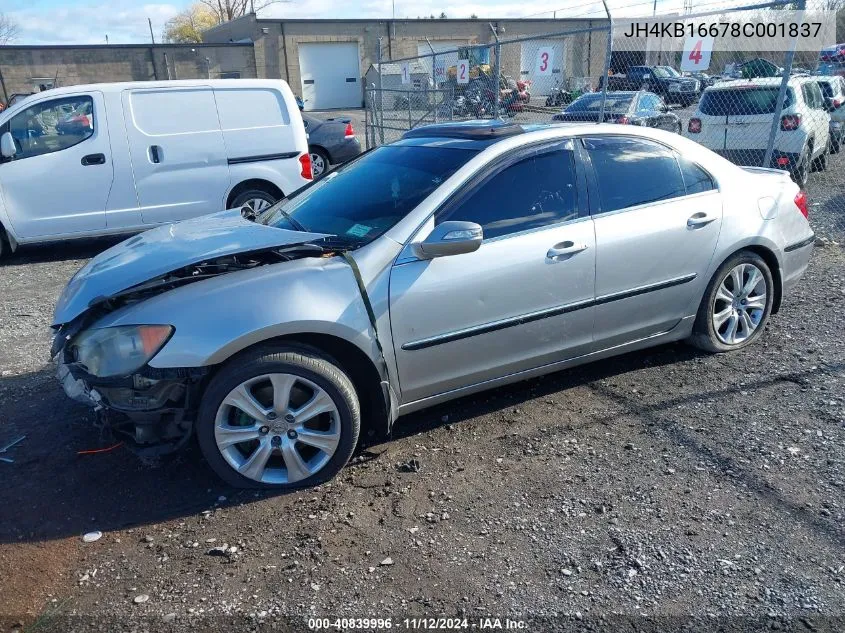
(662, 489)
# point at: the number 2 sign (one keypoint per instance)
(697, 52)
(545, 59)
(463, 71)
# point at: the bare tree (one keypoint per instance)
(8, 29)
(226, 10)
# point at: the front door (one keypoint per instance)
(178, 155)
(59, 180)
(522, 300)
(657, 219)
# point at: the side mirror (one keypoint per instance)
(7, 145)
(450, 238)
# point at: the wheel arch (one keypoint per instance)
(322, 149)
(253, 183)
(352, 360)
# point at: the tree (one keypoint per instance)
(473, 17)
(226, 10)
(8, 29)
(442, 15)
(187, 27)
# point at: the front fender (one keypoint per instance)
(216, 318)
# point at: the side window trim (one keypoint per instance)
(498, 166)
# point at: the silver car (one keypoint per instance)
(463, 257)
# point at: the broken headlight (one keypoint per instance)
(118, 351)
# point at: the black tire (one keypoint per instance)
(319, 153)
(310, 364)
(704, 334)
(245, 197)
(5, 249)
(802, 170)
(835, 145)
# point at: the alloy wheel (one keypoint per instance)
(253, 207)
(318, 164)
(277, 428)
(740, 304)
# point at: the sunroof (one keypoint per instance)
(471, 130)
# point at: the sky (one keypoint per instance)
(125, 21)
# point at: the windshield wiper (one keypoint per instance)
(268, 213)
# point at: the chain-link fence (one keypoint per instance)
(757, 85)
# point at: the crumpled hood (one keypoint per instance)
(165, 249)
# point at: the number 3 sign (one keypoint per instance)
(697, 52)
(545, 59)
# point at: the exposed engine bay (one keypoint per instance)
(153, 410)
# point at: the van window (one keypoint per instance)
(252, 107)
(738, 101)
(174, 111)
(51, 126)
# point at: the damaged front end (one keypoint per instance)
(151, 410)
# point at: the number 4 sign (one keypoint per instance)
(463, 71)
(545, 59)
(697, 52)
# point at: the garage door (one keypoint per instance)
(331, 75)
(543, 84)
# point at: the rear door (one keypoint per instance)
(178, 155)
(59, 180)
(657, 219)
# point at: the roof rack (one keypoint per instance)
(471, 130)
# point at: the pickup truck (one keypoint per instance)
(662, 80)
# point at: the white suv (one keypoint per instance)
(734, 119)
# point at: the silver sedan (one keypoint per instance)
(463, 257)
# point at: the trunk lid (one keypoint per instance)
(165, 249)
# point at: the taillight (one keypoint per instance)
(350, 131)
(307, 172)
(837, 102)
(789, 122)
(801, 203)
(694, 126)
(623, 120)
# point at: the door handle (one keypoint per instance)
(155, 154)
(699, 219)
(94, 159)
(564, 249)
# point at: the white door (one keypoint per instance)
(59, 180)
(178, 156)
(331, 75)
(553, 65)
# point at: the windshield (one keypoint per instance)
(363, 199)
(592, 103)
(742, 101)
(660, 71)
(671, 72)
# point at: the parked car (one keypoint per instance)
(833, 89)
(832, 69)
(661, 80)
(457, 259)
(330, 142)
(627, 108)
(91, 160)
(835, 53)
(704, 80)
(734, 119)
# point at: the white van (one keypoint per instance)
(103, 159)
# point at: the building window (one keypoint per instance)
(232, 74)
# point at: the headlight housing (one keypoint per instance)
(118, 351)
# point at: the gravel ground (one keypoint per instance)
(655, 491)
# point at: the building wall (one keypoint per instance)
(71, 65)
(277, 41)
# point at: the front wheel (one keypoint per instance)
(736, 305)
(281, 417)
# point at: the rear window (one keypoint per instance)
(734, 101)
(592, 103)
(364, 198)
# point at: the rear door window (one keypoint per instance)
(743, 101)
(631, 172)
(696, 180)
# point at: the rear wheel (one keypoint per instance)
(801, 171)
(820, 162)
(253, 202)
(835, 144)
(319, 161)
(282, 417)
(5, 249)
(736, 305)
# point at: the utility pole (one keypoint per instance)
(107, 39)
(152, 37)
